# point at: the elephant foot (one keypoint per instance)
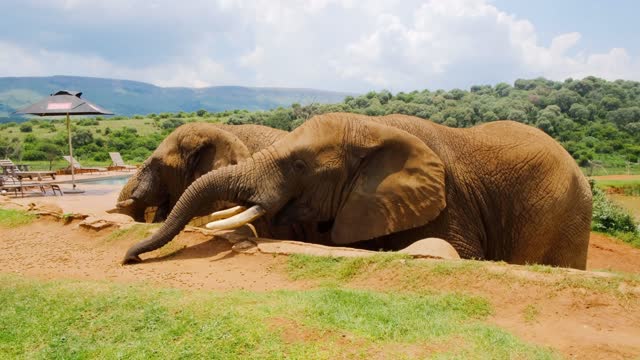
(131, 259)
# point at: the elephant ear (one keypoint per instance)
(209, 148)
(399, 184)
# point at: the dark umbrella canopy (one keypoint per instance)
(62, 103)
(65, 103)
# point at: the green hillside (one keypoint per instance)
(597, 121)
(128, 98)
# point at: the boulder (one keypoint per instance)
(431, 248)
(105, 221)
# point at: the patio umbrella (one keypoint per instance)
(64, 103)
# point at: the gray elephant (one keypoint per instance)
(187, 153)
(497, 191)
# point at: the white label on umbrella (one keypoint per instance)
(58, 106)
(95, 108)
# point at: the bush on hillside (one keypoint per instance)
(26, 128)
(88, 122)
(609, 217)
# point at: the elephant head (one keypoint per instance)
(186, 154)
(356, 178)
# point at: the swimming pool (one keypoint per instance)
(111, 180)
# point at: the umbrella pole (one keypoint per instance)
(73, 178)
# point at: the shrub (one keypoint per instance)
(608, 217)
(88, 122)
(26, 128)
(171, 124)
(34, 155)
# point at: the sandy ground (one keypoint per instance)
(578, 323)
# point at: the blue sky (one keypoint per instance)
(345, 45)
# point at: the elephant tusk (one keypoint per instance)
(238, 220)
(227, 213)
(253, 229)
(125, 203)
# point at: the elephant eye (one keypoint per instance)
(299, 165)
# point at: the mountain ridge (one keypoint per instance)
(130, 97)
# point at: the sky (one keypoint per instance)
(341, 45)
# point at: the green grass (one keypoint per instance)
(14, 218)
(334, 268)
(61, 164)
(544, 269)
(143, 126)
(84, 320)
(410, 275)
(612, 170)
(617, 183)
(627, 237)
(342, 269)
(530, 313)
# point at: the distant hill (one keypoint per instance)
(125, 97)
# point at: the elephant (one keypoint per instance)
(496, 191)
(187, 153)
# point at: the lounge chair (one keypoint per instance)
(11, 184)
(11, 169)
(8, 184)
(79, 169)
(118, 164)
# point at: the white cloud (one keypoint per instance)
(254, 58)
(200, 72)
(334, 44)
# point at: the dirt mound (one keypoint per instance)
(534, 305)
(610, 254)
(49, 250)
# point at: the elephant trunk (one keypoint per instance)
(226, 184)
(131, 200)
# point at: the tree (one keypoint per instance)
(384, 96)
(610, 103)
(201, 112)
(633, 128)
(375, 108)
(489, 116)
(582, 87)
(81, 137)
(624, 116)
(172, 124)
(51, 152)
(517, 115)
(522, 84)
(564, 98)
(10, 148)
(26, 128)
(455, 94)
(580, 113)
(503, 89)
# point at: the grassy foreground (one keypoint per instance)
(79, 320)
(13, 218)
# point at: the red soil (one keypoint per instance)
(578, 323)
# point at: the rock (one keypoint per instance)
(45, 209)
(105, 221)
(97, 224)
(431, 248)
(119, 219)
(69, 217)
(245, 247)
(285, 247)
(237, 235)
